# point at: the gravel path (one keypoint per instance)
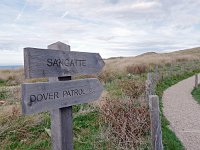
(183, 113)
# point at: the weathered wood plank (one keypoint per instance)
(62, 128)
(156, 132)
(62, 118)
(40, 97)
(54, 63)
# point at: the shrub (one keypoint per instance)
(127, 124)
(136, 69)
(132, 88)
(106, 76)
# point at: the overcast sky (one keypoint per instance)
(109, 27)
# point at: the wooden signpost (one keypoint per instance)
(39, 97)
(54, 63)
(58, 95)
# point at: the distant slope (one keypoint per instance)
(119, 64)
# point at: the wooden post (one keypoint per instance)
(156, 132)
(61, 119)
(196, 80)
(151, 84)
(156, 73)
(147, 89)
(148, 86)
(149, 77)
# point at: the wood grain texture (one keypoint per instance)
(62, 118)
(62, 128)
(54, 63)
(156, 132)
(59, 46)
(38, 97)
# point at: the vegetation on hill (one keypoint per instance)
(119, 120)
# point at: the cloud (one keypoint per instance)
(65, 14)
(110, 27)
(21, 11)
(145, 5)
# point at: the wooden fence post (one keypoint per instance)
(61, 119)
(156, 74)
(147, 90)
(156, 132)
(196, 80)
(148, 85)
(149, 76)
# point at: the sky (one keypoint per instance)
(110, 27)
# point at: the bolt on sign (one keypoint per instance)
(59, 96)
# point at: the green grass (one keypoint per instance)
(170, 141)
(3, 91)
(25, 133)
(196, 94)
(28, 132)
(3, 94)
(2, 82)
(86, 130)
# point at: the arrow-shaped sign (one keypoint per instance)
(53, 63)
(39, 97)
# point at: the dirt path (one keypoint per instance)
(183, 113)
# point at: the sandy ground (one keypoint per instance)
(183, 113)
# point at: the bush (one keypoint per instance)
(136, 69)
(127, 124)
(106, 76)
(132, 88)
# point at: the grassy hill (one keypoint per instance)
(151, 58)
(119, 120)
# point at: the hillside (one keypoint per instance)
(152, 58)
(119, 120)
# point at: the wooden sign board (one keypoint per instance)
(53, 63)
(39, 97)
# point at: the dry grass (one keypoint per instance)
(12, 76)
(149, 59)
(106, 76)
(18, 129)
(128, 123)
(125, 120)
(132, 88)
(137, 69)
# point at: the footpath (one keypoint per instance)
(183, 113)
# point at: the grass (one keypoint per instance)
(125, 113)
(24, 132)
(28, 132)
(86, 130)
(170, 141)
(150, 59)
(196, 94)
(3, 94)
(92, 123)
(2, 82)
